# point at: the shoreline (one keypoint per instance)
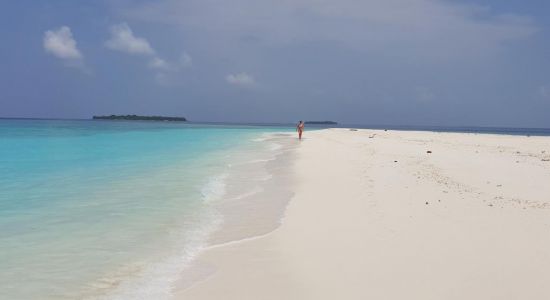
(252, 203)
(260, 209)
(371, 213)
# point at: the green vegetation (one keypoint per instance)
(321, 123)
(139, 118)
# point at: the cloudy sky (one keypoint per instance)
(400, 62)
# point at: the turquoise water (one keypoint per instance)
(108, 210)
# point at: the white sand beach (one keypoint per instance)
(375, 216)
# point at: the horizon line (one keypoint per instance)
(340, 125)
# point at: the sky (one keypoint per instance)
(378, 62)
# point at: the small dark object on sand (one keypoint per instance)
(353, 129)
(546, 159)
(491, 205)
(372, 136)
(428, 151)
(385, 130)
(395, 161)
(426, 202)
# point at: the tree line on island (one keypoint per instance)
(321, 123)
(139, 118)
(178, 119)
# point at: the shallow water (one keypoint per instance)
(112, 210)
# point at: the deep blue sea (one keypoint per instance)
(458, 129)
(109, 209)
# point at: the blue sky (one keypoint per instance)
(400, 62)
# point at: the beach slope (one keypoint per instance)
(399, 215)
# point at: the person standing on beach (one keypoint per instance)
(300, 129)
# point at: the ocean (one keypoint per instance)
(458, 129)
(114, 209)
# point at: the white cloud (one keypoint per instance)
(435, 30)
(162, 65)
(240, 79)
(186, 60)
(159, 64)
(61, 43)
(123, 39)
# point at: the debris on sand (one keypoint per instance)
(353, 129)
(429, 151)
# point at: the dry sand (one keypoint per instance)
(380, 218)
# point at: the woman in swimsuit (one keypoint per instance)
(300, 129)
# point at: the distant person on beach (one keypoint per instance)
(300, 129)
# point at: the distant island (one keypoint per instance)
(140, 118)
(321, 123)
